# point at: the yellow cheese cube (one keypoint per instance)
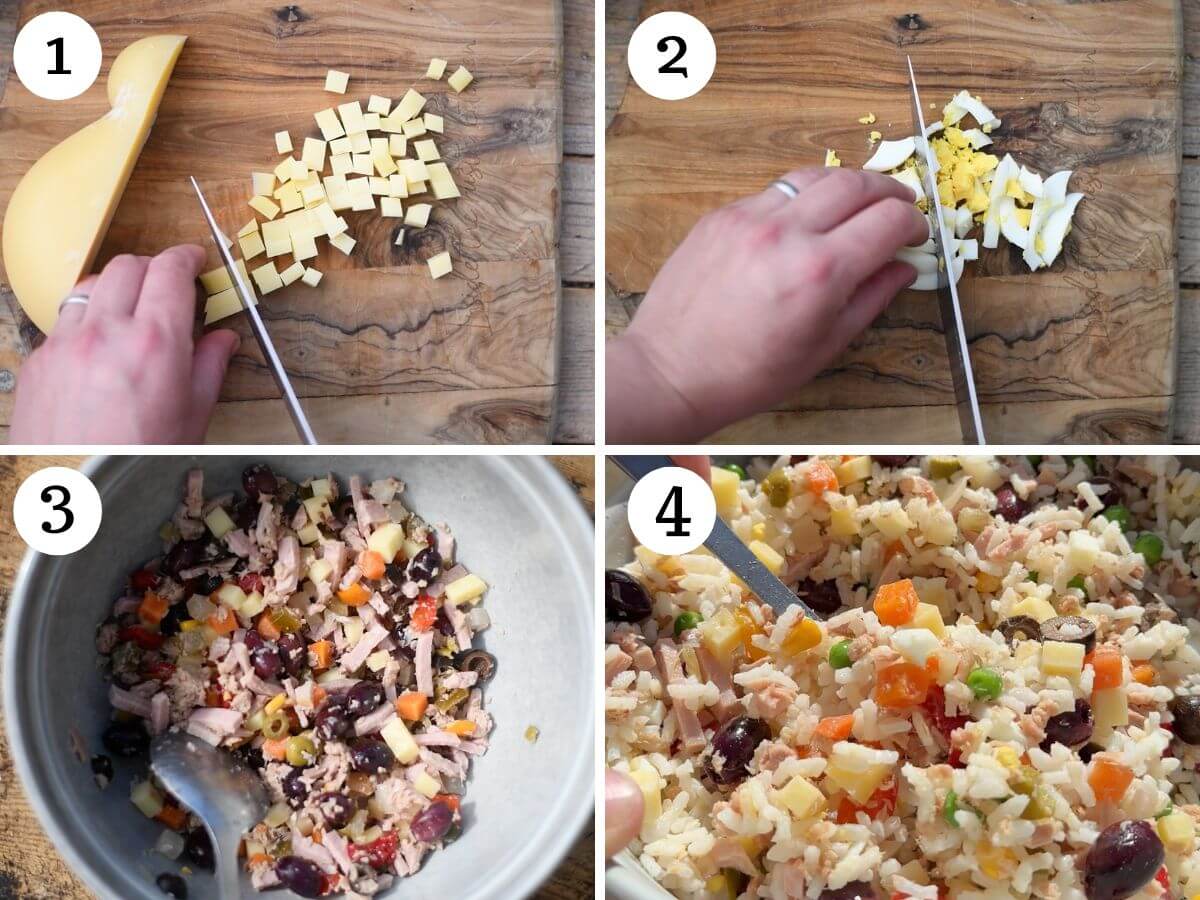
(1035, 608)
(410, 104)
(442, 182)
(313, 195)
(391, 124)
(343, 242)
(400, 741)
(842, 522)
(327, 220)
(1178, 832)
(311, 277)
(379, 186)
(218, 279)
(929, 617)
(339, 145)
(852, 470)
(351, 115)
(319, 570)
(801, 798)
(426, 150)
(386, 540)
(398, 186)
(414, 128)
(391, 208)
(330, 125)
(314, 154)
(292, 273)
(399, 242)
(381, 157)
(309, 534)
(1082, 551)
(414, 170)
(1062, 658)
(277, 237)
(222, 305)
(768, 556)
(460, 79)
(262, 183)
(341, 163)
(440, 264)
(377, 104)
(360, 142)
(418, 215)
(283, 142)
(426, 785)
(1110, 709)
(860, 785)
(437, 68)
(362, 164)
(433, 123)
(251, 245)
(289, 198)
(249, 228)
(725, 485)
(648, 780)
(397, 145)
(267, 278)
(336, 82)
(467, 589)
(361, 197)
(721, 635)
(283, 171)
(264, 205)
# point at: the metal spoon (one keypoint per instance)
(225, 794)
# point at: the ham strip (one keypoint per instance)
(287, 567)
(366, 644)
(368, 511)
(129, 702)
(436, 737)
(160, 713)
(425, 664)
(372, 722)
(193, 498)
(690, 732)
(727, 705)
(458, 620)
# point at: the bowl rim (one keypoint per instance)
(556, 493)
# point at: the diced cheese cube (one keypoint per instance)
(391, 207)
(433, 123)
(768, 556)
(147, 798)
(440, 264)
(915, 644)
(379, 186)
(343, 242)
(859, 784)
(267, 278)
(467, 589)
(386, 540)
(1082, 551)
(378, 660)
(311, 277)
(382, 160)
(249, 228)
(1036, 608)
(418, 215)
(400, 741)
(304, 246)
(1062, 658)
(292, 273)
(264, 205)
(391, 125)
(398, 186)
(313, 195)
(855, 469)
(372, 120)
(309, 534)
(339, 145)
(218, 279)
(330, 125)
(336, 193)
(336, 82)
(277, 237)
(317, 507)
(341, 164)
(801, 798)
(319, 570)
(314, 154)
(444, 188)
(360, 142)
(410, 104)
(262, 183)
(283, 142)
(222, 305)
(426, 785)
(929, 618)
(399, 242)
(252, 245)
(327, 219)
(360, 194)
(725, 485)
(1110, 709)
(842, 520)
(1178, 832)
(283, 171)
(289, 198)
(437, 68)
(414, 128)
(426, 150)
(650, 783)
(363, 164)
(320, 487)
(460, 79)
(397, 145)
(377, 104)
(352, 117)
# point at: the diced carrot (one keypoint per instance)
(835, 728)
(1109, 779)
(317, 836)
(152, 608)
(258, 859)
(411, 705)
(1144, 674)
(896, 603)
(460, 727)
(320, 654)
(275, 749)
(451, 800)
(318, 695)
(901, 685)
(222, 621)
(891, 549)
(267, 628)
(1109, 668)
(355, 595)
(214, 697)
(172, 816)
(371, 564)
(821, 478)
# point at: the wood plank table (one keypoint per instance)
(1083, 352)
(491, 363)
(31, 867)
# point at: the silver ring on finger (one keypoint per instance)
(71, 299)
(786, 187)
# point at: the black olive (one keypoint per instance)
(199, 849)
(300, 875)
(894, 462)
(188, 555)
(1087, 751)
(209, 584)
(855, 890)
(258, 479)
(1070, 728)
(126, 739)
(102, 769)
(735, 743)
(171, 885)
(1186, 725)
(1071, 630)
(1124, 858)
(823, 597)
(337, 808)
(625, 600)
(426, 565)
(1023, 627)
(364, 698)
(479, 661)
(244, 514)
(294, 654)
(170, 623)
(250, 756)
(1009, 506)
(295, 790)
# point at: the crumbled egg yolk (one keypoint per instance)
(961, 170)
(831, 160)
(876, 136)
(868, 119)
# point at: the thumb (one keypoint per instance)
(623, 811)
(209, 363)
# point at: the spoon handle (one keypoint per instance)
(228, 871)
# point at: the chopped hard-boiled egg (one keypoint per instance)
(831, 160)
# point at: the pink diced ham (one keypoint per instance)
(287, 567)
(372, 722)
(671, 668)
(425, 664)
(212, 721)
(458, 621)
(365, 646)
(129, 702)
(160, 713)
(193, 498)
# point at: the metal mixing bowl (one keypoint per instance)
(519, 526)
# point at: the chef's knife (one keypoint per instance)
(952, 322)
(295, 410)
(727, 546)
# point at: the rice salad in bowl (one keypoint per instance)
(1002, 699)
(323, 634)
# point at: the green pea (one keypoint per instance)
(687, 620)
(950, 807)
(1150, 546)
(1119, 514)
(839, 655)
(736, 469)
(301, 751)
(985, 683)
(778, 488)
(1032, 576)
(1077, 582)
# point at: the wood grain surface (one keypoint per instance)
(30, 867)
(380, 352)
(1083, 352)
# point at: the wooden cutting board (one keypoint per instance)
(1084, 351)
(379, 352)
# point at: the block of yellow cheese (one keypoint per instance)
(63, 205)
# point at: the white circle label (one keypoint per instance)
(672, 510)
(57, 511)
(672, 55)
(57, 55)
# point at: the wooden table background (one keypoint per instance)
(30, 867)
(623, 15)
(575, 400)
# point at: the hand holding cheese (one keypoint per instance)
(123, 369)
(759, 297)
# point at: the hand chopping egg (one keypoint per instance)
(976, 188)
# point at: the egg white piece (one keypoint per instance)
(910, 179)
(923, 262)
(1000, 178)
(1058, 225)
(963, 220)
(930, 281)
(1031, 182)
(978, 139)
(890, 155)
(933, 128)
(976, 108)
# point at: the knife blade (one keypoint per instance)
(278, 372)
(727, 546)
(966, 399)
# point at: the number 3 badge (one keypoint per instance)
(57, 511)
(671, 510)
(672, 55)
